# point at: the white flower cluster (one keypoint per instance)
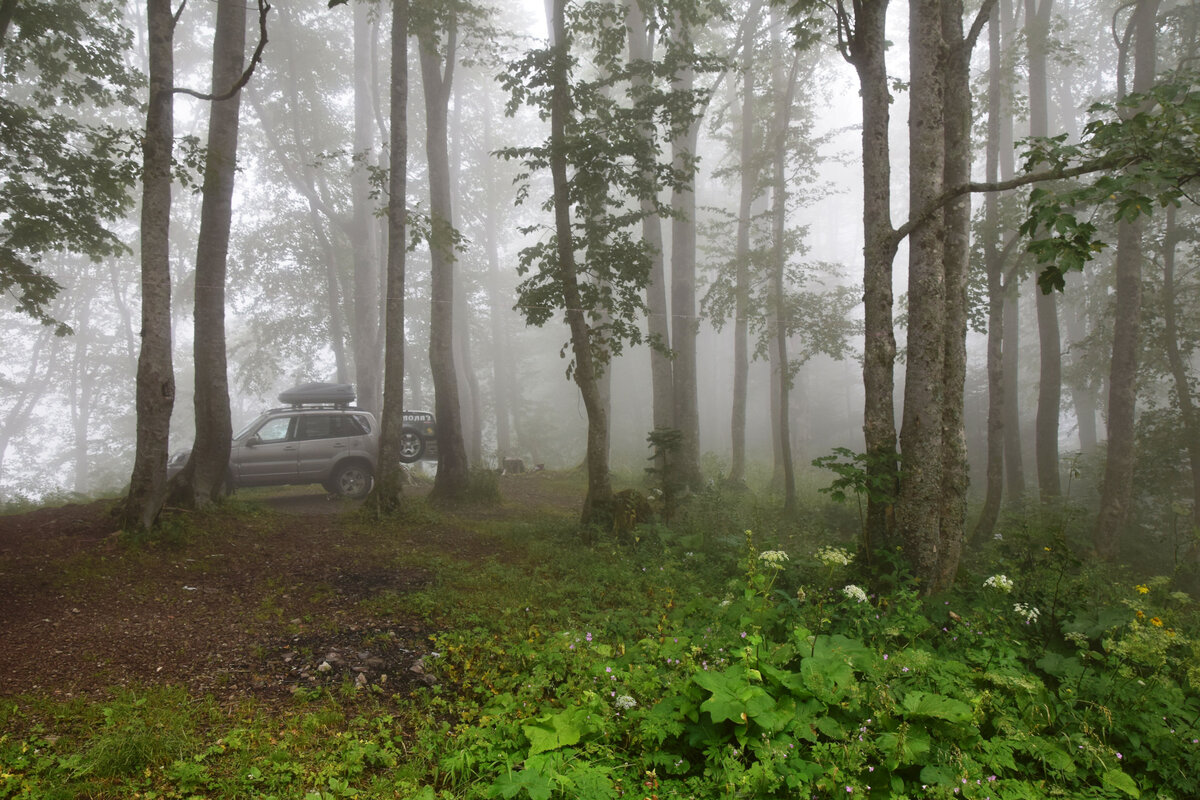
(1000, 582)
(1027, 612)
(855, 593)
(774, 558)
(834, 556)
(625, 702)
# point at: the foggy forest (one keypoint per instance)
(788, 295)
(771, 252)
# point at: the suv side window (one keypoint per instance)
(274, 430)
(314, 426)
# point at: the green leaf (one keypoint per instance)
(1116, 779)
(936, 706)
(511, 784)
(554, 731)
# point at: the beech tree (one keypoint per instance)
(67, 175)
(592, 268)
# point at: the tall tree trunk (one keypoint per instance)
(205, 473)
(155, 374)
(685, 325)
(748, 177)
(866, 50)
(82, 386)
(918, 513)
(994, 266)
(956, 263)
(597, 505)
(785, 92)
(502, 365)
(366, 333)
(641, 49)
(1014, 462)
(436, 77)
(1116, 494)
(386, 495)
(468, 377)
(1178, 362)
(1037, 35)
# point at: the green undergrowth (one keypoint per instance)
(729, 654)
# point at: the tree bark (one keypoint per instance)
(785, 91)
(387, 493)
(204, 476)
(155, 373)
(1177, 361)
(597, 505)
(658, 326)
(685, 323)
(1037, 35)
(994, 266)
(865, 47)
(436, 78)
(1116, 494)
(366, 334)
(918, 512)
(741, 316)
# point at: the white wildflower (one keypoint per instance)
(1027, 612)
(625, 702)
(1001, 582)
(773, 558)
(834, 556)
(855, 593)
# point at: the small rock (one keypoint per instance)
(324, 666)
(360, 681)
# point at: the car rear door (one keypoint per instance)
(324, 440)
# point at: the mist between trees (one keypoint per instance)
(758, 232)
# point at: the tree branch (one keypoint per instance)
(954, 192)
(263, 8)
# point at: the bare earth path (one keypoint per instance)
(300, 595)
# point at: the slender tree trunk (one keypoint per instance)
(436, 77)
(1177, 361)
(155, 374)
(597, 505)
(1116, 495)
(502, 370)
(994, 267)
(82, 385)
(1014, 462)
(921, 436)
(748, 178)
(468, 377)
(867, 53)
(685, 325)
(1037, 34)
(386, 495)
(956, 262)
(785, 93)
(205, 474)
(641, 49)
(367, 304)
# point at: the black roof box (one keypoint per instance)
(340, 394)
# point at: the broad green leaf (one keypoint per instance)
(552, 731)
(1116, 779)
(936, 706)
(511, 784)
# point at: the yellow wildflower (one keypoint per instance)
(1156, 622)
(1142, 588)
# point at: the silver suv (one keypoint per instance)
(319, 438)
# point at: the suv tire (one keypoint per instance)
(352, 480)
(412, 446)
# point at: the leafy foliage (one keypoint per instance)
(1144, 152)
(67, 177)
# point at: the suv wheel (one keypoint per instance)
(412, 446)
(352, 480)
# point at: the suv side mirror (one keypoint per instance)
(254, 440)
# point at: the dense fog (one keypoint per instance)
(307, 254)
